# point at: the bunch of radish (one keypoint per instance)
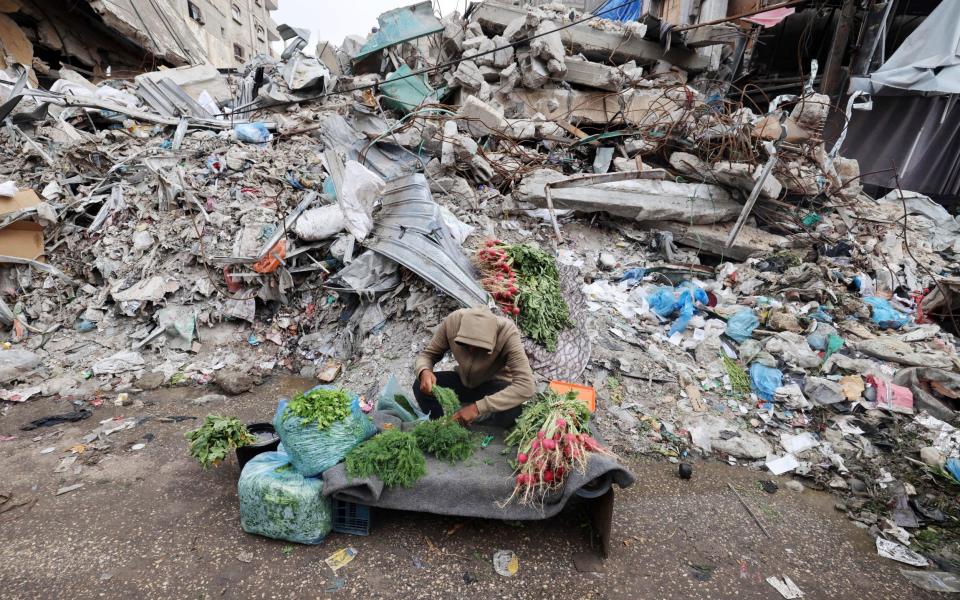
(552, 440)
(498, 276)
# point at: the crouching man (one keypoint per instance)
(493, 376)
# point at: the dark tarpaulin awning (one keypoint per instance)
(917, 135)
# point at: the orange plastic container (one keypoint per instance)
(585, 393)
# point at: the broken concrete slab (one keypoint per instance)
(638, 199)
(713, 239)
(618, 46)
(480, 118)
(592, 74)
(635, 106)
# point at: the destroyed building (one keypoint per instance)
(743, 285)
(122, 38)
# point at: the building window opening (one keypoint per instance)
(194, 11)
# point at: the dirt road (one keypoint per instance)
(150, 523)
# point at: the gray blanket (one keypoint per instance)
(473, 488)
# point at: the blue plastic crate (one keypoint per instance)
(351, 518)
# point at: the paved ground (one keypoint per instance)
(152, 524)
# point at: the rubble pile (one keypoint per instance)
(735, 292)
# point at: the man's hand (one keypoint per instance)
(467, 414)
(427, 381)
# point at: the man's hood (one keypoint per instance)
(478, 327)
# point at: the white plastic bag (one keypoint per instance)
(361, 187)
(8, 189)
(319, 223)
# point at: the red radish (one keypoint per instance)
(548, 476)
(541, 435)
(549, 445)
(516, 310)
(522, 458)
(561, 423)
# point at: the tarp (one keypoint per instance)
(927, 61)
(920, 135)
(618, 10)
(473, 488)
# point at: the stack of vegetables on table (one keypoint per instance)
(525, 282)
(552, 438)
(397, 458)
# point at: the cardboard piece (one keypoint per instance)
(23, 239)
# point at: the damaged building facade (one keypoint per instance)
(122, 38)
(752, 275)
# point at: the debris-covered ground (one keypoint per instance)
(734, 292)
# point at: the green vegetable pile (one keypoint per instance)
(739, 379)
(448, 399)
(392, 455)
(543, 312)
(211, 442)
(325, 407)
(446, 439)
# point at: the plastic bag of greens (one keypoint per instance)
(394, 401)
(279, 503)
(312, 450)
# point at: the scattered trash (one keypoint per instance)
(340, 558)
(900, 553)
(782, 464)
(685, 470)
(506, 563)
(787, 588)
(71, 417)
(934, 581)
(68, 489)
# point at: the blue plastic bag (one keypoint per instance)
(633, 276)
(884, 315)
(686, 312)
(820, 315)
(953, 467)
(253, 133)
(741, 325)
(662, 302)
(312, 451)
(765, 380)
(279, 503)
